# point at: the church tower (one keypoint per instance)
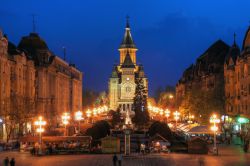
(122, 81)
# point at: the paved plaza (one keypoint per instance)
(229, 156)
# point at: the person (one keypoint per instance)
(120, 159)
(246, 146)
(6, 161)
(33, 151)
(201, 161)
(12, 162)
(114, 159)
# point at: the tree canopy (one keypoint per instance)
(162, 129)
(99, 130)
(203, 103)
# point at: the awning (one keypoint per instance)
(201, 130)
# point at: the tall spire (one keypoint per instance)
(127, 41)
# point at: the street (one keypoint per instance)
(228, 156)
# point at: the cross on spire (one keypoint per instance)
(127, 19)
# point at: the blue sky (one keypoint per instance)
(169, 34)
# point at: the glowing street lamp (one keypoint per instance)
(190, 118)
(161, 112)
(105, 108)
(214, 120)
(40, 123)
(94, 112)
(65, 121)
(176, 117)
(167, 114)
(78, 117)
(88, 113)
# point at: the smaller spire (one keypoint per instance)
(114, 72)
(127, 63)
(234, 38)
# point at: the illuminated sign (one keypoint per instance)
(242, 120)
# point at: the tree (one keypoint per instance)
(157, 93)
(203, 103)
(162, 129)
(99, 130)
(116, 117)
(151, 101)
(167, 97)
(140, 104)
(89, 98)
(17, 111)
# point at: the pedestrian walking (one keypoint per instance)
(114, 159)
(246, 146)
(120, 159)
(201, 161)
(6, 161)
(12, 162)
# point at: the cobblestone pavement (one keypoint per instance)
(229, 156)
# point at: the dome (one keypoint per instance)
(32, 43)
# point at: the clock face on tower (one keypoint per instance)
(128, 89)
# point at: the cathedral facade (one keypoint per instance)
(122, 81)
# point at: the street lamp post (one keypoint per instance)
(176, 117)
(190, 118)
(214, 120)
(78, 117)
(40, 123)
(65, 121)
(167, 114)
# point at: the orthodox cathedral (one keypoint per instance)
(122, 81)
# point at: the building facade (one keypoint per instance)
(17, 87)
(203, 81)
(58, 84)
(237, 79)
(122, 81)
(34, 81)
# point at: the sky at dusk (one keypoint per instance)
(169, 34)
